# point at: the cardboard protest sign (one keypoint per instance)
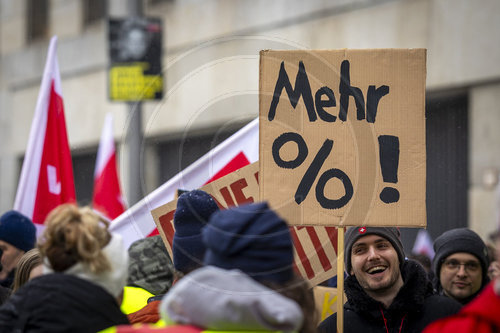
(325, 299)
(342, 136)
(234, 189)
(315, 247)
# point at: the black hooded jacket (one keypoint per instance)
(9, 280)
(60, 303)
(414, 307)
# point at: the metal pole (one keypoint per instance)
(133, 141)
(135, 8)
(134, 137)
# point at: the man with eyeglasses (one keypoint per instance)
(480, 315)
(461, 264)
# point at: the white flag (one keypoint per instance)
(240, 149)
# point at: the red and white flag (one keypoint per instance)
(241, 149)
(423, 244)
(47, 173)
(107, 198)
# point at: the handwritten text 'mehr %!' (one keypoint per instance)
(325, 98)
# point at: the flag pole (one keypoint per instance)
(134, 138)
(340, 279)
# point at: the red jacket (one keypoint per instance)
(481, 315)
(148, 314)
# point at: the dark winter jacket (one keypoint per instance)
(60, 303)
(414, 307)
(9, 280)
(4, 294)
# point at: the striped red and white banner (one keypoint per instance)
(315, 252)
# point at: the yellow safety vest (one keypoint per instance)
(134, 299)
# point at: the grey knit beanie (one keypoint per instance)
(354, 233)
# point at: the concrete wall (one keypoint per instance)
(211, 67)
(484, 158)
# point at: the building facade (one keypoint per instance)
(211, 67)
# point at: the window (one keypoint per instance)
(156, 2)
(83, 174)
(447, 138)
(93, 11)
(177, 154)
(37, 19)
(83, 171)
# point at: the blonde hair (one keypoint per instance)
(28, 261)
(74, 235)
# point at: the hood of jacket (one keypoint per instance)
(219, 299)
(113, 280)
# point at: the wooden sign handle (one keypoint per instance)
(340, 279)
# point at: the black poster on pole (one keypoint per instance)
(135, 52)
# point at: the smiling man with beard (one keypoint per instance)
(385, 292)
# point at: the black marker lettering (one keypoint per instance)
(302, 88)
(346, 90)
(321, 104)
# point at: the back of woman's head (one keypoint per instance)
(299, 290)
(74, 235)
(26, 264)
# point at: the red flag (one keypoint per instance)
(240, 149)
(47, 173)
(107, 198)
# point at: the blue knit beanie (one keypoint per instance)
(194, 208)
(253, 239)
(17, 230)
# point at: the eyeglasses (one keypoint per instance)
(454, 265)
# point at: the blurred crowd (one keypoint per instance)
(233, 270)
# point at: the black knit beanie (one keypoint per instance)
(460, 240)
(354, 233)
